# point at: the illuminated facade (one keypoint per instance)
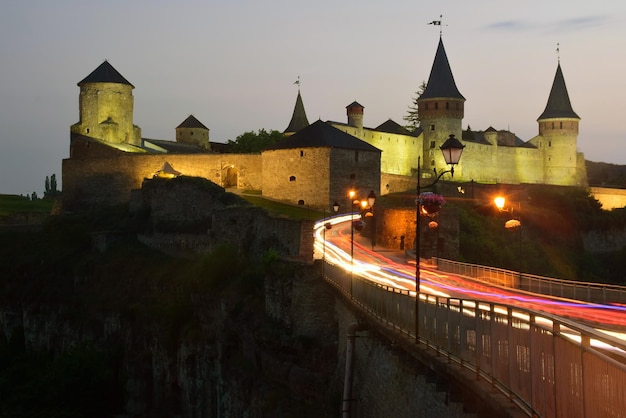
(490, 156)
(109, 158)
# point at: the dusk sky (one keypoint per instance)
(233, 64)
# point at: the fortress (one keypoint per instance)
(316, 163)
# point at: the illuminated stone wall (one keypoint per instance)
(317, 177)
(89, 182)
(399, 152)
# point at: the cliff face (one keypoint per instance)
(219, 356)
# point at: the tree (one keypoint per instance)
(250, 142)
(50, 186)
(412, 117)
(53, 184)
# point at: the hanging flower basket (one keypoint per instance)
(431, 202)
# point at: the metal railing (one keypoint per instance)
(548, 366)
(568, 289)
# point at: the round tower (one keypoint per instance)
(106, 107)
(441, 109)
(193, 132)
(558, 136)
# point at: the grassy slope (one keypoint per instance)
(14, 203)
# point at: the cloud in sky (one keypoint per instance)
(563, 25)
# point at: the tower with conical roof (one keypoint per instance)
(192, 131)
(440, 108)
(298, 119)
(106, 107)
(558, 135)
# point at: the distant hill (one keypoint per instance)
(606, 175)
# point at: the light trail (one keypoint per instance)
(397, 272)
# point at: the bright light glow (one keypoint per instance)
(499, 201)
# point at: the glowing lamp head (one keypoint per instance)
(499, 201)
(452, 150)
(371, 198)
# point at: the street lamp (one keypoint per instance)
(351, 195)
(327, 225)
(452, 150)
(371, 199)
(513, 223)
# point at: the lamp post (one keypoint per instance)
(351, 195)
(327, 225)
(452, 150)
(512, 223)
(371, 199)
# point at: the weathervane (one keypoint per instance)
(438, 23)
(298, 83)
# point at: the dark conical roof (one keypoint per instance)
(392, 127)
(298, 119)
(441, 81)
(192, 122)
(558, 105)
(105, 73)
(321, 134)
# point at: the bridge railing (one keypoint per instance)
(548, 366)
(585, 291)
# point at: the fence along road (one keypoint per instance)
(547, 365)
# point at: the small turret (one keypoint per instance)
(192, 131)
(355, 115)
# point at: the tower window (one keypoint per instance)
(87, 130)
(301, 202)
(447, 105)
(549, 143)
(301, 153)
(292, 178)
(432, 163)
(552, 125)
(436, 105)
(432, 127)
(432, 144)
(560, 125)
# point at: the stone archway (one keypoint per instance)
(230, 175)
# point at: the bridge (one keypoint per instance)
(547, 362)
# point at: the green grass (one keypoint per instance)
(281, 209)
(14, 203)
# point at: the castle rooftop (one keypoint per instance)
(105, 73)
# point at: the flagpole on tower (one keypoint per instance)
(438, 23)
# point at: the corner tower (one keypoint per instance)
(440, 109)
(558, 135)
(106, 107)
